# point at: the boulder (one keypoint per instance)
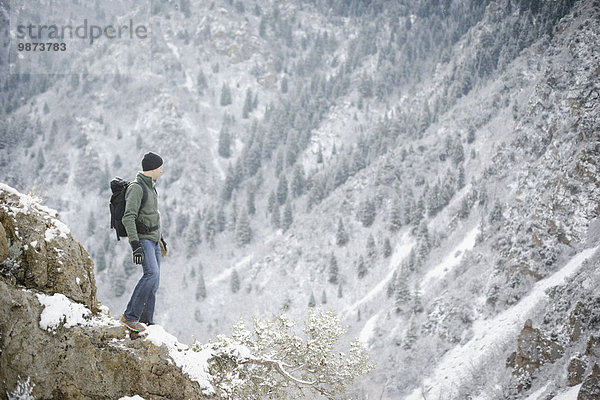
(578, 315)
(593, 347)
(575, 371)
(533, 351)
(590, 389)
(51, 259)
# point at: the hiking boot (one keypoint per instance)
(132, 325)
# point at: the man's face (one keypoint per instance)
(155, 173)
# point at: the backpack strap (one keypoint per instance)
(141, 227)
(144, 194)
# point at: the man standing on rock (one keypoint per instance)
(142, 223)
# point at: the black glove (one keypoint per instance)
(164, 250)
(138, 252)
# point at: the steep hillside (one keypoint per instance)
(426, 169)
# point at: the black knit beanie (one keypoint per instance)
(151, 161)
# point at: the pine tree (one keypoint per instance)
(366, 212)
(224, 147)
(233, 214)
(247, 104)
(410, 336)
(235, 281)
(288, 217)
(181, 222)
(409, 206)
(272, 201)
(251, 199)
(210, 227)
(118, 281)
(460, 183)
(193, 235)
(312, 302)
(387, 248)
(243, 232)
(298, 181)
(471, 135)
(279, 160)
(291, 148)
(395, 222)
(221, 220)
(238, 173)
(276, 216)
(282, 189)
(341, 237)
(418, 213)
(361, 267)
(201, 288)
(117, 164)
(458, 153)
(225, 95)
(340, 293)
(229, 184)
(391, 287)
(262, 27)
(423, 243)
(401, 291)
(320, 156)
(371, 248)
(100, 260)
(333, 269)
(324, 297)
(417, 306)
(201, 83)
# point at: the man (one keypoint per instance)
(143, 230)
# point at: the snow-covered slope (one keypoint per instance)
(455, 142)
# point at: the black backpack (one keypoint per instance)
(119, 186)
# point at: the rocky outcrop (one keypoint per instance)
(576, 371)
(590, 390)
(53, 336)
(82, 362)
(533, 351)
(49, 259)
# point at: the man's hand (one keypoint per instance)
(164, 250)
(138, 252)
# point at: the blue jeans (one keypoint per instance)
(141, 305)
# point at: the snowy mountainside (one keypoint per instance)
(421, 182)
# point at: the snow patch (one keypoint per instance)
(368, 331)
(193, 363)
(570, 394)
(452, 259)
(59, 309)
(58, 230)
(244, 262)
(538, 393)
(136, 397)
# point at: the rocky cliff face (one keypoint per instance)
(55, 342)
